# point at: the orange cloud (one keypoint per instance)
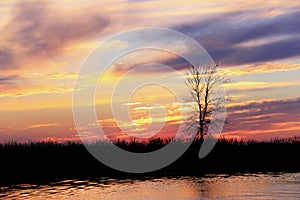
(268, 67)
(42, 125)
(244, 86)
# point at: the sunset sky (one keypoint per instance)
(44, 43)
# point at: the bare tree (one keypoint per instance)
(205, 84)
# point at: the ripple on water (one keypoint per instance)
(223, 186)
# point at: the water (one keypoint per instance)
(248, 186)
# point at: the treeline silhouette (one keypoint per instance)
(52, 161)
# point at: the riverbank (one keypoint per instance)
(50, 161)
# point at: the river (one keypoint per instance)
(245, 186)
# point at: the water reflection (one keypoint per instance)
(247, 186)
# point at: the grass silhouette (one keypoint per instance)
(50, 161)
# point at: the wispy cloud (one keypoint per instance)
(264, 119)
(261, 68)
(40, 31)
(247, 86)
(131, 103)
(42, 125)
(224, 35)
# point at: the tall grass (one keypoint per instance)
(48, 160)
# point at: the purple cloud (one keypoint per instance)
(269, 119)
(222, 34)
(39, 31)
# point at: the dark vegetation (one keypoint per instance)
(49, 161)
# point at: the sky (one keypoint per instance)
(44, 43)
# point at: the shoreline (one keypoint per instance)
(49, 161)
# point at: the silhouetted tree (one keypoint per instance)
(205, 84)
